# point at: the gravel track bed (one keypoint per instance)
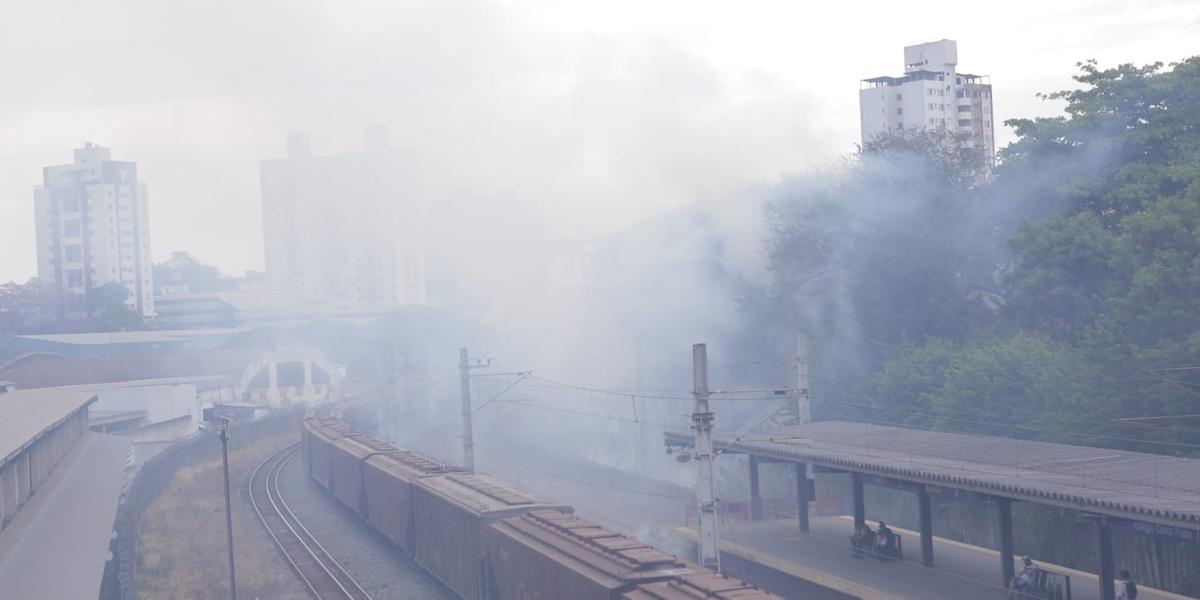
(385, 572)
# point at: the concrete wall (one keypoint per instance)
(161, 402)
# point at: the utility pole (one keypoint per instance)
(702, 423)
(468, 440)
(803, 407)
(224, 435)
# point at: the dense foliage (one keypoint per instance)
(1047, 300)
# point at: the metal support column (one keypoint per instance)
(1108, 590)
(224, 436)
(468, 439)
(802, 495)
(926, 526)
(702, 424)
(756, 503)
(860, 503)
(1004, 512)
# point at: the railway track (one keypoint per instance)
(320, 572)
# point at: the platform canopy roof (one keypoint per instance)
(26, 414)
(1117, 483)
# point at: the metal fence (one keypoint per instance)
(120, 572)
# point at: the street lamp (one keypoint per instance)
(223, 435)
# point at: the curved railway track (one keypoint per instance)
(320, 572)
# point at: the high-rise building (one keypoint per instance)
(343, 227)
(93, 228)
(931, 94)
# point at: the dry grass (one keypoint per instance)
(181, 536)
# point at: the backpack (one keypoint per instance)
(1131, 590)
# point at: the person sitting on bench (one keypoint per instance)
(864, 538)
(1023, 584)
(885, 542)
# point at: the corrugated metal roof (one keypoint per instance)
(130, 337)
(1137, 485)
(25, 414)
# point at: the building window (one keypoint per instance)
(900, 110)
(899, 96)
(74, 253)
(964, 122)
(71, 228)
(75, 278)
(70, 204)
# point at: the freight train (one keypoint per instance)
(485, 541)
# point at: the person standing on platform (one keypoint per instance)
(1126, 588)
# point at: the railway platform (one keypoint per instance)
(823, 557)
(56, 546)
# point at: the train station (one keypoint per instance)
(1113, 493)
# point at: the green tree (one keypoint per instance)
(31, 307)
(1118, 274)
(183, 269)
(1019, 386)
(1129, 137)
(107, 309)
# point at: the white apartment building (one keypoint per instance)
(930, 94)
(343, 227)
(93, 227)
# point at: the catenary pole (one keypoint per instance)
(224, 435)
(468, 440)
(702, 422)
(803, 407)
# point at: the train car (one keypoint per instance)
(347, 454)
(321, 440)
(563, 556)
(306, 427)
(387, 481)
(702, 585)
(449, 513)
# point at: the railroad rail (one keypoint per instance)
(316, 567)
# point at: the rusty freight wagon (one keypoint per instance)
(347, 454)
(449, 512)
(321, 439)
(563, 556)
(387, 481)
(701, 585)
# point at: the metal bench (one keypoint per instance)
(1047, 585)
(891, 551)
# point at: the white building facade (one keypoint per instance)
(343, 227)
(93, 228)
(931, 94)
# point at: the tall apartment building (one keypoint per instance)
(343, 227)
(930, 94)
(93, 227)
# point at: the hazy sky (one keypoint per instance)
(591, 115)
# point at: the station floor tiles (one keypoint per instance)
(822, 556)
